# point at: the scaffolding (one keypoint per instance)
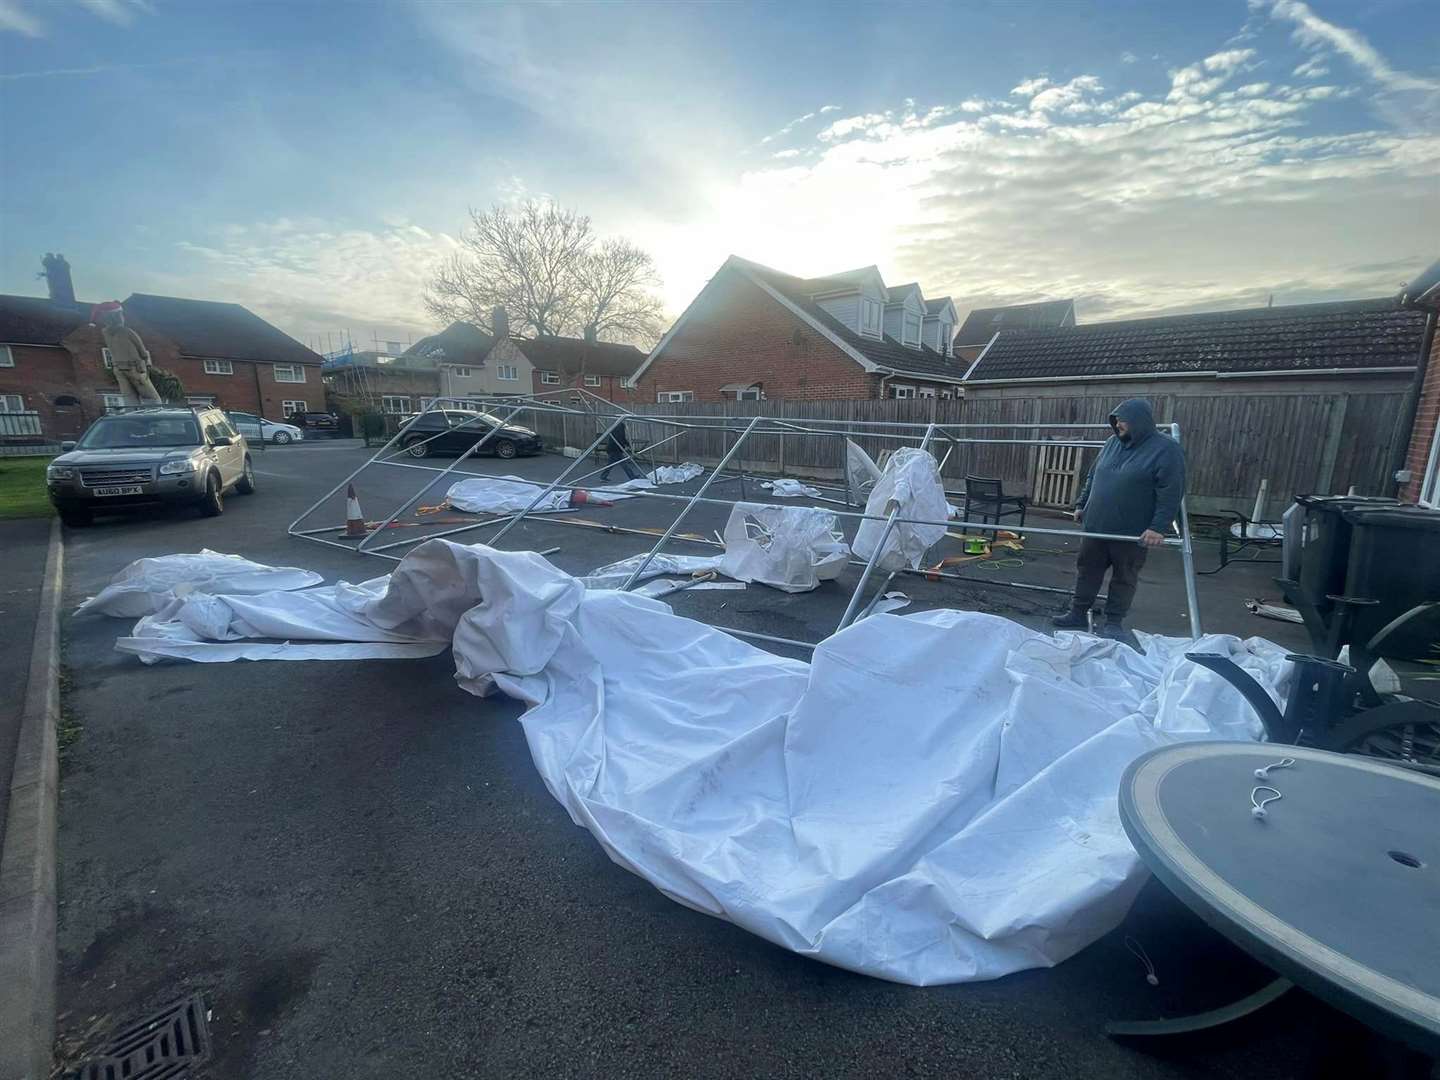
(595, 412)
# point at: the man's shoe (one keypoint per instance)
(1116, 631)
(1077, 618)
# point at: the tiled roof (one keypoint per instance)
(982, 323)
(933, 306)
(569, 355)
(1305, 337)
(886, 352)
(461, 343)
(34, 320)
(208, 328)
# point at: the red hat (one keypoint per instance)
(99, 310)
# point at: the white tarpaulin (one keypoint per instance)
(675, 474)
(502, 494)
(932, 800)
(862, 470)
(791, 489)
(615, 574)
(785, 547)
(912, 481)
(147, 585)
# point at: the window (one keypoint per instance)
(220, 367)
(750, 393)
(289, 373)
(66, 401)
(911, 330)
(292, 407)
(673, 396)
(549, 378)
(395, 406)
(870, 317)
(925, 392)
(507, 373)
(592, 380)
(7, 358)
(111, 401)
(203, 400)
(1430, 486)
(462, 372)
(901, 393)
(11, 403)
(106, 358)
(947, 395)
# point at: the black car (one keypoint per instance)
(453, 431)
(316, 421)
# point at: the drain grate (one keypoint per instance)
(163, 1046)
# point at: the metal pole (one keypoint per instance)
(675, 525)
(1187, 558)
(494, 429)
(558, 480)
(768, 637)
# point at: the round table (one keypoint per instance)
(1336, 888)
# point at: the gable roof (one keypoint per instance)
(34, 320)
(934, 307)
(572, 355)
(1351, 334)
(210, 328)
(982, 323)
(458, 343)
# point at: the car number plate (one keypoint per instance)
(128, 489)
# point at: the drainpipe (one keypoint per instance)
(1412, 405)
(259, 397)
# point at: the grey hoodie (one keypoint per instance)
(1136, 484)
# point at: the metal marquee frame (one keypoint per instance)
(597, 410)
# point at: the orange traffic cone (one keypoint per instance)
(354, 520)
(581, 497)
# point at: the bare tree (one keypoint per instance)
(543, 264)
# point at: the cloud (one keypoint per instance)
(1128, 57)
(1031, 87)
(120, 12)
(1314, 32)
(828, 109)
(14, 19)
(1314, 68)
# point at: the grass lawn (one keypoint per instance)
(22, 487)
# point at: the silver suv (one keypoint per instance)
(148, 455)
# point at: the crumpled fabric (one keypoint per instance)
(791, 489)
(147, 585)
(675, 474)
(932, 800)
(912, 481)
(502, 494)
(785, 547)
(615, 574)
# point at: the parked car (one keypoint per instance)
(453, 431)
(322, 422)
(145, 456)
(252, 427)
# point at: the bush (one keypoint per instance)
(168, 385)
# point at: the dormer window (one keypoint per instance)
(911, 334)
(870, 314)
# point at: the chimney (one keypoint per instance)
(57, 279)
(590, 334)
(500, 322)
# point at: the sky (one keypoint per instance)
(314, 161)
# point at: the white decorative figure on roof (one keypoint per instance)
(129, 359)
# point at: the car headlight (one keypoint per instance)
(60, 472)
(184, 465)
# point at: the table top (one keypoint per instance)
(1337, 887)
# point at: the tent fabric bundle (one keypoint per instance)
(932, 800)
(911, 481)
(147, 585)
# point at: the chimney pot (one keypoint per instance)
(57, 278)
(590, 334)
(500, 321)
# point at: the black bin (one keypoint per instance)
(1325, 543)
(1394, 558)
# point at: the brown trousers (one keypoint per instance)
(1123, 558)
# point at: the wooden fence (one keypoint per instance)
(1303, 442)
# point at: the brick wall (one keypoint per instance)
(611, 387)
(1427, 416)
(44, 379)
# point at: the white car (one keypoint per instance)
(252, 427)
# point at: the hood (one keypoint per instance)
(1137, 413)
(124, 454)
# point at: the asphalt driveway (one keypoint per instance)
(360, 868)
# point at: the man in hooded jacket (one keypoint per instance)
(1134, 489)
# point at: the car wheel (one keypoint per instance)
(504, 448)
(246, 484)
(76, 519)
(417, 447)
(213, 504)
(280, 438)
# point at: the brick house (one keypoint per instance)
(53, 361)
(598, 367)
(396, 385)
(1422, 454)
(754, 333)
(982, 324)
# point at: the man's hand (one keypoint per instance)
(1151, 538)
(1079, 514)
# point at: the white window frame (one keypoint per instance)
(674, 397)
(111, 401)
(205, 401)
(19, 401)
(871, 327)
(513, 369)
(463, 371)
(219, 367)
(896, 392)
(106, 360)
(592, 380)
(947, 395)
(287, 411)
(291, 370)
(1430, 482)
(750, 393)
(905, 338)
(7, 358)
(925, 392)
(549, 378)
(388, 406)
